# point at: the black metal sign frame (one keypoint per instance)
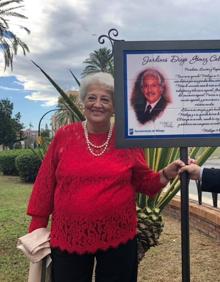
(194, 63)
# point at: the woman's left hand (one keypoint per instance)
(171, 171)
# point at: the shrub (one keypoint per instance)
(28, 165)
(7, 161)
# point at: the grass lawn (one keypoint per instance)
(161, 264)
(13, 224)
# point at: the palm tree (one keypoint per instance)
(64, 116)
(9, 42)
(99, 60)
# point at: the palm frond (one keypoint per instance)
(25, 28)
(13, 14)
(63, 94)
(5, 3)
(13, 8)
(3, 25)
(7, 53)
(77, 81)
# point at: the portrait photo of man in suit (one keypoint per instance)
(149, 98)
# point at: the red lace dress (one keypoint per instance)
(91, 199)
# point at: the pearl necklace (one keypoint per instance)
(102, 148)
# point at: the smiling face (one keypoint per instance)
(151, 88)
(98, 106)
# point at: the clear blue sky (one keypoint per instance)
(31, 111)
(63, 33)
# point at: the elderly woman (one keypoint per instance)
(89, 186)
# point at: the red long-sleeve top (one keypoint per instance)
(91, 199)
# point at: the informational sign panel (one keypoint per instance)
(167, 93)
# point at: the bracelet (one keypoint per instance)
(165, 175)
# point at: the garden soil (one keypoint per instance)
(163, 263)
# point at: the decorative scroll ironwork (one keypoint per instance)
(112, 33)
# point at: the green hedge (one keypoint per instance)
(7, 160)
(28, 165)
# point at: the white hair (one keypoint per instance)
(102, 78)
(154, 73)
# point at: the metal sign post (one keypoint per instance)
(185, 218)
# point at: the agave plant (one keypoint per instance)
(150, 222)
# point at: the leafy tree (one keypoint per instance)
(10, 128)
(9, 42)
(99, 60)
